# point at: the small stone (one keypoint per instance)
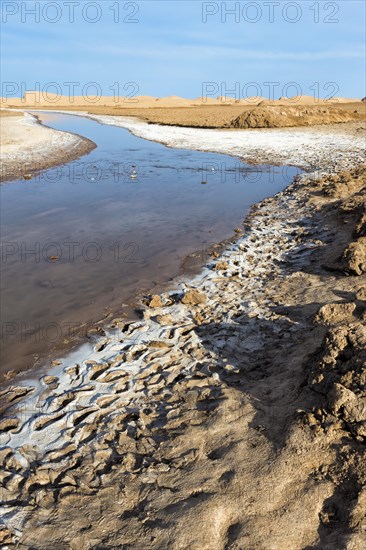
(231, 368)
(221, 266)
(49, 380)
(164, 320)
(193, 298)
(260, 428)
(131, 462)
(156, 301)
(198, 318)
(311, 419)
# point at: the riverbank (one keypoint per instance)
(28, 147)
(330, 147)
(235, 403)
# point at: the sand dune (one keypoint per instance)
(307, 100)
(49, 100)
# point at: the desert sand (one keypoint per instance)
(243, 116)
(6, 113)
(221, 112)
(232, 415)
(45, 99)
(27, 146)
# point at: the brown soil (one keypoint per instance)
(226, 116)
(281, 117)
(4, 113)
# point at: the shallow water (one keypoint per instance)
(81, 240)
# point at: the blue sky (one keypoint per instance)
(172, 47)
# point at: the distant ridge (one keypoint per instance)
(37, 100)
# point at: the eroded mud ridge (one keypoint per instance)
(232, 416)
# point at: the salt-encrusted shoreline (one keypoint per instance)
(307, 148)
(156, 385)
(330, 147)
(27, 146)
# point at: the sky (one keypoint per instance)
(185, 48)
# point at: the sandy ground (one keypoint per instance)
(47, 100)
(226, 115)
(27, 146)
(6, 113)
(232, 416)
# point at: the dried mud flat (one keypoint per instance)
(233, 415)
(28, 147)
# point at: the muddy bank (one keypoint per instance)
(232, 414)
(28, 147)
